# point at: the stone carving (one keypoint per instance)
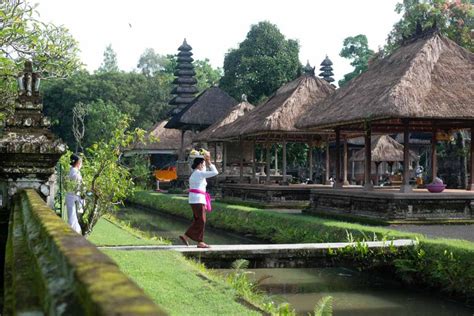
(29, 151)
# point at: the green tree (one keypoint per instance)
(356, 49)
(109, 64)
(454, 19)
(23, 36)
(143, 99)
(264, 61)
(206, 76)
(101, 120)
(106, 182)
(151, 62)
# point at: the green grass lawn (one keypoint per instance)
(174, 284)
(106, 233)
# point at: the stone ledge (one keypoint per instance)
(77, 278)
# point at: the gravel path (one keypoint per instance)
(443, 231)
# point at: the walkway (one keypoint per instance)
(441, 231)
(265, 249)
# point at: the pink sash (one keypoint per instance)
(208, 198)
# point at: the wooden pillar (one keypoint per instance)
(254, 162)
(215, 154)
(345, 181)
(368, 158)
(470, 185)
(328, 163)
(377, 165)
(337, 177)
(276, 159)
(434, 159)
(181, 147)
(241, 171)
(268, 147)
(283, 167)
(310, 161)
(224, 156)
(406, 187)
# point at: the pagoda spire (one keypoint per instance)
(326, 70)
(308, 69)
(185, 82)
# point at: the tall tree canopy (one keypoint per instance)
(263, 62)
(110, 63)
(23, 36)
(356, 49)
(455, 19)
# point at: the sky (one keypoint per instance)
(212, 27)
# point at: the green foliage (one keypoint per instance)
(143, 99)
(101, 121)
(324, 307)
(53, 51)
(454, 19)
(264, 61)
(356, 49)
(106, 183)
(110, 63)
(150, 63)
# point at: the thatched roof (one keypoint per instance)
(169, 140)
(280, 113)
(384, 148)
(206, 109)
(237, 111)
(430, 78)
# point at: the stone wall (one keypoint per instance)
(49, 269)
(393, 206)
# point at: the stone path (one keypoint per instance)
(265, 248)
(442, 231)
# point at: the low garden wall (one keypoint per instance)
(51, 270)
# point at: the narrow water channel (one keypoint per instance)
(355, 293)
(170, 227)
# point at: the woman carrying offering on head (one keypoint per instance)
(73, 195)
(199, 199)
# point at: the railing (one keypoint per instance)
(49, 269)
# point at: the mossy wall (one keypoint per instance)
(52, 270)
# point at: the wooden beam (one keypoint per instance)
(368, 159)
(224, 156)
(470, 186)
(310, 161)
(284, 161)
(328, 163)
(406, 187)
(241, 173)
(254, 162)
(345, 181)
(434, 159)
(269, 157)
(337, 178)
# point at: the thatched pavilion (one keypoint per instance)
(275, 120)
(208, 136)
(163, 145)
(425, 85)
(384, 149)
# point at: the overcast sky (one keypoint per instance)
(212, 27)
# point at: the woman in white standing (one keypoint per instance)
(73, 196)
(199, 199)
